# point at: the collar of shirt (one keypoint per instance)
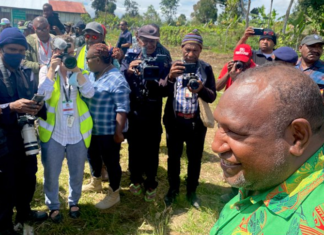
(318, 64)
(285, 198)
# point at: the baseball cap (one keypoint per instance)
(286, 54)
(242, 53)
(312, 39)
(94, 26)
(27, 25)
(269, 33)
(4, 21)
(80, 25)
(148, 31)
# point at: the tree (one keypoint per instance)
(131, 8)
(169, 9)
(270, 14)
(205, 11)
(247, 19)
(151, 16)
(182, 19)
(287, 16)
(108, 6)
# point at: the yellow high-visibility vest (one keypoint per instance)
(46, 127)
(81, 58)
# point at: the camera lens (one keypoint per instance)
(239, 65)
(193, 84)
(69, 62)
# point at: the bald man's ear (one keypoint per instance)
(299, 134)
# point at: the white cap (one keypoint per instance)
(4, 21)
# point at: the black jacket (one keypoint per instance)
(54, 20)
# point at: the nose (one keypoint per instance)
(220, 142)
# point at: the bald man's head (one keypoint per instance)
(42, 28)
(296, 94)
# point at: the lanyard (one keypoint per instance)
(67, 98)
(46, 51)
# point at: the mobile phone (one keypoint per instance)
(38, 98)
(258, 31)
(190, 68)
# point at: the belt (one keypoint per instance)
(186, 115)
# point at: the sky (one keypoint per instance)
(186, 6)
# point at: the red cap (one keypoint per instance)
(242, 53)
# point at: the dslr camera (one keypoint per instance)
(239, 65)
(28, 134)
(149, 68)
(189, 76)
(69, 61)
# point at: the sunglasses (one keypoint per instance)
(93, 37)
(270, 33)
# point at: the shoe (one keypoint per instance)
(194, 200)
(170, 197)
(150, 195)
(56, 218)
(37, 216)
(74, 214)
(93, 186)
(135, 189)
(9, 232)
(104, 173)
(111, 199)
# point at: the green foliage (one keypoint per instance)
(151, 16)
(86, 18)
(104, 6)
(131, 8)
(205, 11)
(169, 9)
(181, 20)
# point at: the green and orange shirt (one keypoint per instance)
(292, 208)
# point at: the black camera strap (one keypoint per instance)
(67, 96)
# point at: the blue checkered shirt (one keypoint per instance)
(111, 97)
(183, 104)
(316, 72)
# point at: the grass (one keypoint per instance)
(133, 215)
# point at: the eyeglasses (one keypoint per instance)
(41, 30)
(93, 37)
(89, 58)
(270, 33)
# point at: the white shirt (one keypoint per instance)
(62, 133)
(44, 51)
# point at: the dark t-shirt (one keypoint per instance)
(124, 37)
(259, 58)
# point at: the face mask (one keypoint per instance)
(73, 81)
(13, 60)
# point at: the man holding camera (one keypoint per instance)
(17, 170)
(181, 116)
(241, 61)
(145, 129)
(267, 42)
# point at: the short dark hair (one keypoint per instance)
(48, 6)
(296, 94)
(124, 21)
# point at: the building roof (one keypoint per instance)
(24, 4)
(70, 7)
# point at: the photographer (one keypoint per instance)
(67, 129)
(145, 129)
(241, 61)
(17, 170)
(181, 116)
(267, 42)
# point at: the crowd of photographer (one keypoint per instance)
(88, 97)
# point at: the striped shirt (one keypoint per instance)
(62, 133)
(111, 97)
(316, 72)
(187, 105)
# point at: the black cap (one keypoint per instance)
(80, 25)
(148, 31)
(269, 33)
(312, 39)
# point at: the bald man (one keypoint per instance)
(39, 50)
(270, 141)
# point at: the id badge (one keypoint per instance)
(70, 121)
(67, 107)
(188, 93)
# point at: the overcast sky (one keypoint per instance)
(186, 6)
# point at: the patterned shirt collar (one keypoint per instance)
(285, 198)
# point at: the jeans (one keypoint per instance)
(53, 155)
(103, 148)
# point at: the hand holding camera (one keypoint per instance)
(176, 70)
(235, 68)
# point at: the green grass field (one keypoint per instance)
(133, 215)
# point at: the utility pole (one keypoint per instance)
(106, 11)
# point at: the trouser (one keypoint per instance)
(17, 183)
(103, 148)
(144, 145)
(193, 132)
(53, 154)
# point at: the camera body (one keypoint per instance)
(258, 31)
(191, 80)
(28, 134)
(69, 61)
(149, 68)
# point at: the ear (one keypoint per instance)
(300, 47)
(299, 132)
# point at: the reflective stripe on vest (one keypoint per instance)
(46, 127)
(81, 58)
